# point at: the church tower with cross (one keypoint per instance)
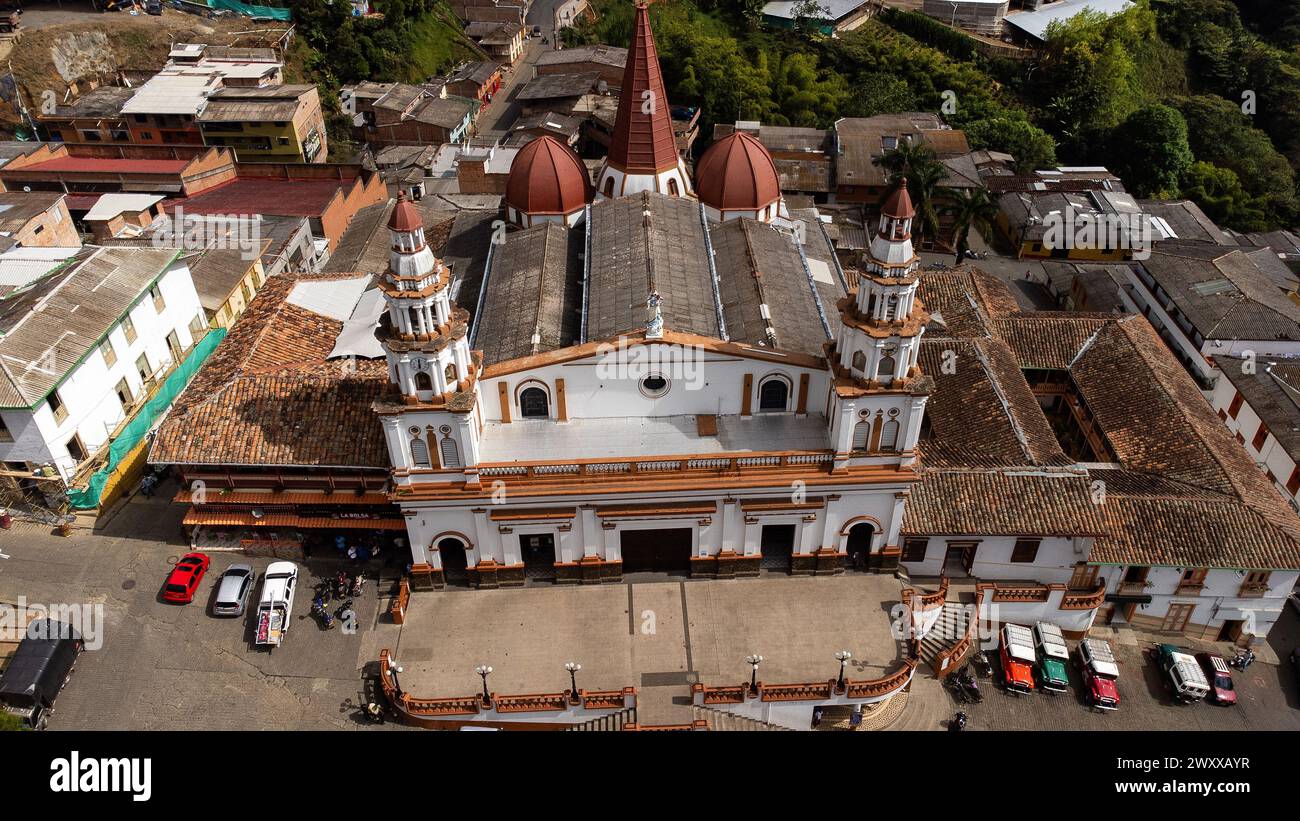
(430, 422)
(880, 392)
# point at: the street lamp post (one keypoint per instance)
(484, 671)
(394, 669)
(573, 667)
(753, 660)
(842, 656)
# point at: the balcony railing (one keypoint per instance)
(660, 467)
(1253, 590)
(1132, 588)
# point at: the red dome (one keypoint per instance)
(737, 174)
(547, 178)
(899, 203)
(405, 218)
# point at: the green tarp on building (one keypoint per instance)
(251, 10)
(87, 498)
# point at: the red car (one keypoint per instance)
(185, 577)
(1216, 671)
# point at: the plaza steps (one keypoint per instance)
(611, 723)
(950, 628)
(724, 721)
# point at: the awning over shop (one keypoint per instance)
(234, 518)
(243, 497)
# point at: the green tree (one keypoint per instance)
(970, 208)
(879, 93)
(1219, 193)
(1151, 152)
(1032, 147)
(11, 723)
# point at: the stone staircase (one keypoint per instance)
(724, 721)
(611, 723)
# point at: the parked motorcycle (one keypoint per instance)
(959, 692)
(1243, 659)
(957, 723)
(372, 712)
(982, 664)
(358, 584)
(969, 685)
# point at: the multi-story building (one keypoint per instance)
(281, 123)
(36, 219)
(83, 347)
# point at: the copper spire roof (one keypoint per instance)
(643, 141)
(899, 204)
(547, 178)
(737, 173)
(405, 218)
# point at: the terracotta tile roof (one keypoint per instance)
(1000, 503)
(982, 413)
(1049, 340)
(267, 395)
(1185, 492)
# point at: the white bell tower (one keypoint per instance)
(431, 423)
(880, 397)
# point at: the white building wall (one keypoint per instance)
(1054, 563)
(89, 391)
(1271, 457)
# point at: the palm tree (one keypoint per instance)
(971, 208)
(917, 162)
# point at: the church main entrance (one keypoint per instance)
(538, 551)
(776, 543)
(454, 564)
(662, 551)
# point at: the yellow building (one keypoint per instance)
(282, 123)
(226, 280)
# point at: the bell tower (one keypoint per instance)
(425, 340)
(879, 393)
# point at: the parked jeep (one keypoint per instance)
(1182, 674)
(1017, 657)
(1052, 657)
(1100, 674)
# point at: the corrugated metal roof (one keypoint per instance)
(48, 328)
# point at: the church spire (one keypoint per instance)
(643, 150)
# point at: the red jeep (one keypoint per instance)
(1017, 655)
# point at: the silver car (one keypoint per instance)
(232, 590)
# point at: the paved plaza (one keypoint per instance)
(169, 667)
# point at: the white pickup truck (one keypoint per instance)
(276, 604)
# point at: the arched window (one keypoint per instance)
(419, 453)
(450, 453)
(773, 395)
(889, 435)
(423, 382)
(533, 404)
(450, 374)
(673, 190)
(861, 435)
(887, 367)
(609, 186)
(859, 361)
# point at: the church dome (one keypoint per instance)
(547, 178)
(737, 174)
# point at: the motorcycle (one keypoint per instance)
(326, 620)
(341, 585)
(1243, 659)
(959, 692)
(358, 584)
(373, 713)
(969, 685)
(958, 723)
(982, 664)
